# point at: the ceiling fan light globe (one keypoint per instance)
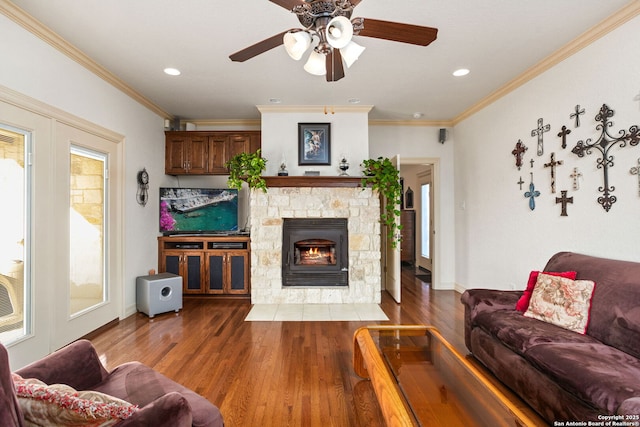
(339, 32)
(316, 64)
(296, 43)
(351, 52)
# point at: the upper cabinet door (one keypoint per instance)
(206, 152)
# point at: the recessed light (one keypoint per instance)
(461, 72)
(275, 100)
(417, 115)
(172, 71)
(354, 100)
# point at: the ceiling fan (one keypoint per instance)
(328, 27)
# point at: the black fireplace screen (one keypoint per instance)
(315, 252)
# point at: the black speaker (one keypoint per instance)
(442, 137)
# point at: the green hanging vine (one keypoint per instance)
(383, 176)
(247, 167)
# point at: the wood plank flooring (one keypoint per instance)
(272, 373)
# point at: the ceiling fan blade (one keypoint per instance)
(335, 69)
(287, 4)
(397, 32)
(258, 48)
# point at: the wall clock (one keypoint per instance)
(143, 185)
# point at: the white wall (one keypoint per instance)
(498, 238)
(421, 142)
(349, 137)
(33, 68)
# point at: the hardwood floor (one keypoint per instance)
(272, 373)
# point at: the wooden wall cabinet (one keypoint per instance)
(206, 152)
(208, 265)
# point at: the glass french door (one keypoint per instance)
(86, 236)
(61, 227)
(15, 177)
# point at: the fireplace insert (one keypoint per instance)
(315, 252)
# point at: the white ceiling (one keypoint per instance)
(497, 40)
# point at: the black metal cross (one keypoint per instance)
(577, 115)
(564, 200)
(518, 152)
(520, 183)
(552, 164)
(539, 131)
(604, 144)
(563, 134)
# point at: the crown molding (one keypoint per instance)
(237, 123)
(619, 18)
(326, 109)
(35, 27)
(424, 123)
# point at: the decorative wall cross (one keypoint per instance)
(575, 176)
(532, 194)
(531, 161)
(552, 164)
(518, 152)
(634, 171)
(577, 115)
(520, 183)
(564, 200)
(563, 134)
(539, 131)
(604, 144)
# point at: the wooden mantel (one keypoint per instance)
(313, 181)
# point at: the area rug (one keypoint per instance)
(315, 313)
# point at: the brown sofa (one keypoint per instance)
(564, 375)
(161, 401)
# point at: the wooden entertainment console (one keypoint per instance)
(209, 265)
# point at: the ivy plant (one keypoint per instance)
(384, 177)
(247, 167)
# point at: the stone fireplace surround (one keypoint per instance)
(315, 197)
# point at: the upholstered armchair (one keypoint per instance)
(158, 400)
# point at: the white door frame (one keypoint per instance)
(435, 188)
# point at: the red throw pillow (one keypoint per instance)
(523, 302)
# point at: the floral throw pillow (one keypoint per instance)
(562, 302)
(523, 302)
(61, 405)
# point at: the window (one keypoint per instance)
(87, 229)
(15, 178)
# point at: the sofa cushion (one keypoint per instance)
(519, 333)
(141, 385)
(523, 302)
(562, 302)
(601, 375)
(59, 404)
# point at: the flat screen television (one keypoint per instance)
(198, 210)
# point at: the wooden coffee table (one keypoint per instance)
(422, 380)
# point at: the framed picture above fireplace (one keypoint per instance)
(314, 143)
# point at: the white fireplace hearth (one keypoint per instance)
(315, 197)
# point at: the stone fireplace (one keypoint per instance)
(319, 200)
